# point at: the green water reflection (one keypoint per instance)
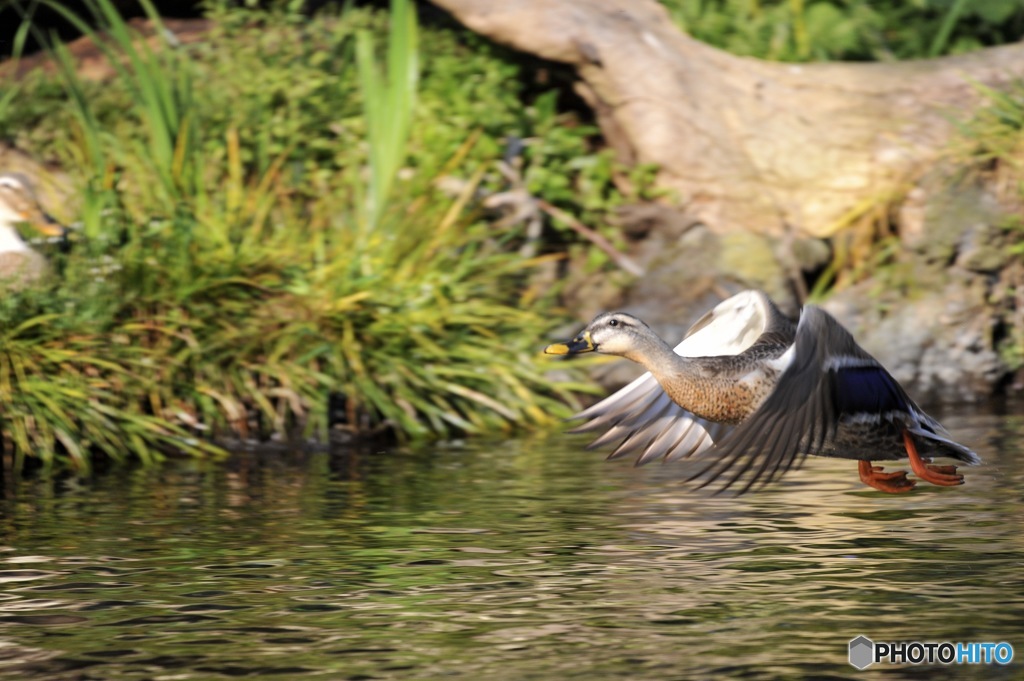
(522, 559)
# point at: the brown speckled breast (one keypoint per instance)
(723, 400)
(726, 389)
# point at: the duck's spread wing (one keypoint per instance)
(643, 419)
(828, 376)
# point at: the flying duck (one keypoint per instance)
(759, 393)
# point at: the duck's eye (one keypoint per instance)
(613, 322)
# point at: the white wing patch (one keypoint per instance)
(729, 329)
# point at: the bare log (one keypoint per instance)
(748, 144)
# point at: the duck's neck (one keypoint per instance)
(660, 359)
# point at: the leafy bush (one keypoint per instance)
(238, 264)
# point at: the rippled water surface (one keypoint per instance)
(520, 559)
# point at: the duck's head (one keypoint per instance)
(611, 333)
(19, 205)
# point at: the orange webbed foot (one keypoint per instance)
(895, 482)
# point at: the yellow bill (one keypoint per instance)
(580, 343)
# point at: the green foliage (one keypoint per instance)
(808, 30)
(230, 274)
(562, 166)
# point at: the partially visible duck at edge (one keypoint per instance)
(20, 264)
(761, 393)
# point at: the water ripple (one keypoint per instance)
(524, 559)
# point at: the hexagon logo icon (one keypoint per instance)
(862, 652)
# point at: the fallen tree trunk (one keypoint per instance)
(750, 145)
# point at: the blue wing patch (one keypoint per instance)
(868, 390)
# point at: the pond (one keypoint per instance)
(520, 559)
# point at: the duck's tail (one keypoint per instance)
(935, 441)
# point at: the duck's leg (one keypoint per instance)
(937, 475)
(893, 483)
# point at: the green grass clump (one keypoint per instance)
(853, 30)
(261, 230)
